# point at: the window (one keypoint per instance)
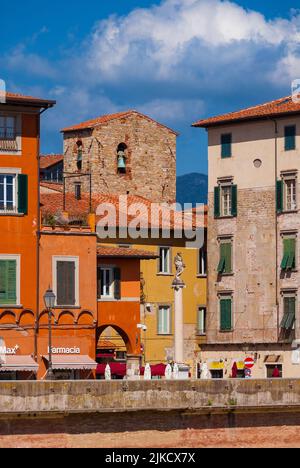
(202, 262)
(289, 253)
(79, 154)
(225, 263)
(274, 369)
(122, 158)
(77, 190)
(290, 202)
(201, 321)
(290, 137)
(226, 143)
(289, 312)
(225, 200)
(164, 266)
(226, 314)
(164, 320)
(7, 192)
(66, 281)
(7, 128)
(9, 280)
(109, 283)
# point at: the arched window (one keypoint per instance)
(122, 158)
(79, 154)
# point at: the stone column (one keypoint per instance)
(133, 366)
(178, 287)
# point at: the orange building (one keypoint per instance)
(19, 226)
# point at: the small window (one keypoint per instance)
(77, 191)
(289, 253)
(164, 320)
(274, 371)
(164, 266)
(201, 321)
(7, 192)
(79, 154)
(226, 145)
(109, 283)
(290, 192)
(7, 127)
(122, 158)
(225, 200)
(290, 138)
(8, 282)
(202, 262)
(66, 283)
(226, 314)
(225, 263)
(289, 313)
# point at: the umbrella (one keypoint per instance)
(234, 370)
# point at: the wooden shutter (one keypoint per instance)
(99, 282)
(234, 200)
(291, 245)
(279, 196)
(23, 194)
(285, 258)
(217, 202)
(222, 262)
(117, 283)
(8, 282)
(66, 283)
(225, 308)
(290, 137)
(226, 141)
(227, 255)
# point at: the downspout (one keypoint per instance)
(38, 237)
(276, 226)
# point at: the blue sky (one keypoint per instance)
(177, 60)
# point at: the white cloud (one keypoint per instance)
(19, 60)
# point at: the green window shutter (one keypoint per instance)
(8, 282)
(289, 313)
(291, 243)
(234, 200)
(285, 254)
(226, 143)
(23, 194)
(279, 196)
(222, 262)
(228, 257)
(290, 138)
(117, 283)
(225, 308)
(217, 202)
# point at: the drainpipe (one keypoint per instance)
(38, 236)
(276, 224)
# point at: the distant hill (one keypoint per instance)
(192, 188)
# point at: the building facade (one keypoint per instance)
(126, 153)
(253, 249)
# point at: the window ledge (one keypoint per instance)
(109, 299)
(58, 307)
(289, 211)
(225, 217)
(200, 334)
(11, 213)
(164, 274)
(11, 306)
(202, 276)
(225, 274)
(226, 331)
(165, 334)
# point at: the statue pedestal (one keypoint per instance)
(133, 367)
(178, 287)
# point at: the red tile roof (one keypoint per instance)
(277, 108)
(15, 98)
(110, 252)
(52, 203)
(49, 160)
(105, 344)
(51, 186)
(89, 124)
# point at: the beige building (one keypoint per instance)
(253, 241)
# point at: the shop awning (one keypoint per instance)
(19, 364)
(72, 362)
(273, 359)
(117, 368)
(216, 365)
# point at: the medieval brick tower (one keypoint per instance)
(125, 153)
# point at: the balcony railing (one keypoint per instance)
(7, 144)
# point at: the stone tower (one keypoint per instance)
(125, 153)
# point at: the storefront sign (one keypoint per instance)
(73, 350)
(9, 351)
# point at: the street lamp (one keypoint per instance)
(49, 300)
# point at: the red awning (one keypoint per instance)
(158, 370)
(72, 362)
(117, 368)
(18, 364)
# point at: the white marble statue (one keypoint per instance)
(147, 374)
(205, 373)
(175, 372)
(168, 372)
(180, 267)
(107, 372)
